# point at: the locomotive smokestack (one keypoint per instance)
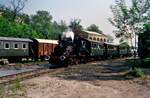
(59, 38)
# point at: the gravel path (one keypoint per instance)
(53, 87)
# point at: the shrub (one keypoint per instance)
(137, 72)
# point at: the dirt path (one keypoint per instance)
(95, 80)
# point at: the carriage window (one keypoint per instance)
(24, 46)
(104, 40)
(7, 46)
(1, 43)
(97, 39)
(16, 46)
(100, 46)
(90, 37)
(94, 38)
(94, 45)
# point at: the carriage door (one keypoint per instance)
(45, 49)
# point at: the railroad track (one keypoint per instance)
(29, 74)
(23, 75)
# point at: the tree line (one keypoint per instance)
(14, 23)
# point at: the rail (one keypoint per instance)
(23, 75)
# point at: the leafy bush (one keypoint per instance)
(137, 72)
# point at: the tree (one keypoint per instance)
(17, 6)
(11, 29)
(75, 25)
(6, 12)
(58, 28)
(144, 43)
(62, 25)
(5, 29)
(42, 23)
(129, 20)
(110, 38)
(94, 28)
(24, 18)
(23, 31)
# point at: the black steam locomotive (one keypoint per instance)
(80, 50)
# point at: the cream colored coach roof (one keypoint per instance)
(15, 39)
(95, 33)
(47, 41)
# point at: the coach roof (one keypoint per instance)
(113, 44)
(15, 39)
(95, 33)
(47, 41)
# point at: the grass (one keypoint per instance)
(2, 91)
(16, 86)
(33, 62)
(1, 65)
(14, 90)
(135, 68)
(137, 72)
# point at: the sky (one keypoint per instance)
(89, 11)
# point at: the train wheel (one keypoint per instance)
(46, 58)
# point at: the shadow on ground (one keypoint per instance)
(103, 70)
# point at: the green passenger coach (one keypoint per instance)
(14, 47)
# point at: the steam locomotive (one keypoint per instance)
(76, 49)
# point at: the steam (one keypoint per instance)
(68, 34)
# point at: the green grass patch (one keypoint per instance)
(2, 91)
(137, 72)
(31, 63)
(135, 68)
(16, 86)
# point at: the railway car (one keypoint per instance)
(111, 50)
(14, 49)
(124, 51)
(42, 48)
